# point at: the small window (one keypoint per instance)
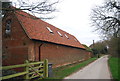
(49, 30)
(59, 33)
(8, 27)
(66, 36)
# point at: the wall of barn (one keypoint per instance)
(14, 45)
(60, 55)
(17, 48)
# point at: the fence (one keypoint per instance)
(32, 70)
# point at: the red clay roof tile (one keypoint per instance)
(37, 29)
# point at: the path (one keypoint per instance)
(96, 70)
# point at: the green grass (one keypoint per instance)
(62, 72)
(113, 64)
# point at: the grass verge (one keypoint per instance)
(113, 64)
(62, 72)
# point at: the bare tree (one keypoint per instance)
(5, 5)
(41, 8)
(106, 18)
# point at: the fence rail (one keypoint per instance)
(32, 70)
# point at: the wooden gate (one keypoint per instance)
(32, 70)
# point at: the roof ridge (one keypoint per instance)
(34, 17)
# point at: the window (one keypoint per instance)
(8, 27)
(49, 30)
(59, 33)
(66, 36)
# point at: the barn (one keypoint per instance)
(26, 37)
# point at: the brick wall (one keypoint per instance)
(14, 45)
(60, 55)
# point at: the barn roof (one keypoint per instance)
(38, 29)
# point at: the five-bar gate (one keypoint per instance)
(32, 70)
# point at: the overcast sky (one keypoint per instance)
(74, 18)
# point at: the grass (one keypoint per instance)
(113, 64)
(62, 72)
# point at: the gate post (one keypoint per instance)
(45, 68)
(27, 70)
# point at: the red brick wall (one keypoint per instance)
(59, 55)
(15, 46)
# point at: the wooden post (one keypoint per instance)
(46, 68)
(27, 70)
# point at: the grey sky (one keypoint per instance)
(74, 18)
